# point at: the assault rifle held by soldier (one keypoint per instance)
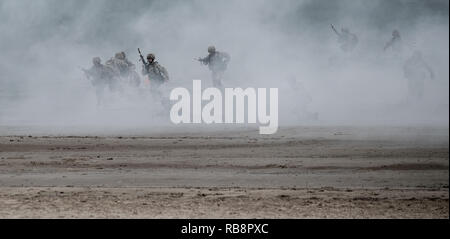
(334, 29)
(143, 59)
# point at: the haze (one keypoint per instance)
(43, 44)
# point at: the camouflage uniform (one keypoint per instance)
(101, 77)
(124, 68)
(217, 63)
(156, 73)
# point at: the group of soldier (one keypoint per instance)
(348, 40)
(116, 73)
(415, 68)
(119, 72)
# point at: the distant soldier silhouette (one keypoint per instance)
(156, 73)
(101, 76)
(217, 62)
(395, 44)
(417, 71)
(346, 39)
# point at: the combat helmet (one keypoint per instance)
(211, 49)
(151, 56)
(120, 55)
(396, 34)
(96, 61)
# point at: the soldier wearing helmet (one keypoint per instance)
(211, 49)
(395, 43)
(156, 73)
(96, 61)
(101, 76)
(120, 55)
(217, 63)
(124, 69)
(99, 73)
(121, 64)
(151, 57)
(123, 57)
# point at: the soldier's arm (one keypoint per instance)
(226, 57)
(109, 62)
(130, 64)
(430, 70)
(87, 73)
(204, 60)
(166, 73)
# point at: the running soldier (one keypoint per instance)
(217, 63)
(395, 43)
(347, 39)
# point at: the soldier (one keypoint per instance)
(101, 76)
(156, 73)
(124, 68)
(217, 63)
(416, 71)
(347, 39)
(123, 57)
(395, 43)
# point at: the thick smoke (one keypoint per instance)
(271, 43)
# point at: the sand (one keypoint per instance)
(300, 172)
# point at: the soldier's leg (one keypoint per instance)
(113, 84)
(99, 92)
(415, 88)
(217, 79)
(420, 88)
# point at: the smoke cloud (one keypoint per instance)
(271, 43)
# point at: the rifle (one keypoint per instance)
(334, 29)
(142, 58)
(86, 73)
(200, 60)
